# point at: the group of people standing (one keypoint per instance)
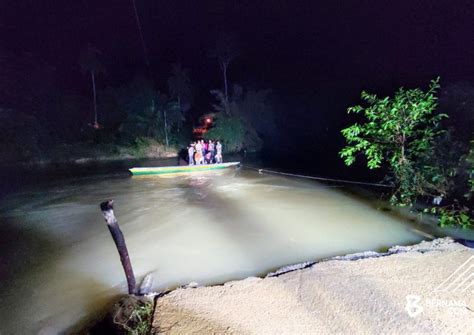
(205, 152)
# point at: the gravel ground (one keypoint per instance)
(407, 290)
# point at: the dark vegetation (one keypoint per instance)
(41, 122)
(413, 138)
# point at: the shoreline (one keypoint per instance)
(280, 301)
(85, 161)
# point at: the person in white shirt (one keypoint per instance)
(218, 153)
(191, 154)
(199, 156)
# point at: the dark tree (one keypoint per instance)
(225, 51)
(457, 100)
(179, 86)
(90, 64)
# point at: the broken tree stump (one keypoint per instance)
(107, 208)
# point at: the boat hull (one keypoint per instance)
(168, 170)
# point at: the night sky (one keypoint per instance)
(290, 45)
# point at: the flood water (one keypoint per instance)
(59, 264)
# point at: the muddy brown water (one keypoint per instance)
(60, 266)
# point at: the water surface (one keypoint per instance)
(60, 265)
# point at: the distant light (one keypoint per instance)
(208, 120)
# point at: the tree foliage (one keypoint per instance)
(470, 164)
(254, 113)
(225, 52)
(457, 100)
(89, 60)
(90, 64)
(144, 109)
(179, 86)
(445, 166)
(454, 166)
(230, 130)
(20, 136)
(226, 49)
(397, 131)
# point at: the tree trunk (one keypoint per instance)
(151, 125)
(95, 98)
(403, 147)
(166, 128)
(180, 109)
(224, 70)
(107, 208)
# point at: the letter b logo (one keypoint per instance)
(412, 307)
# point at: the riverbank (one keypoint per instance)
(403, 290)
(90, 153)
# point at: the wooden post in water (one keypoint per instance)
(107, 208)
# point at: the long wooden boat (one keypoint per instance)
(180, 169)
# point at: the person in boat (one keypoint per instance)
(212, 150)
(208, 158)
(206, 146)
(191, 154)
(218, 156)
(198, 156)
(204, 151)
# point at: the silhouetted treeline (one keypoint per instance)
(41, 120)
